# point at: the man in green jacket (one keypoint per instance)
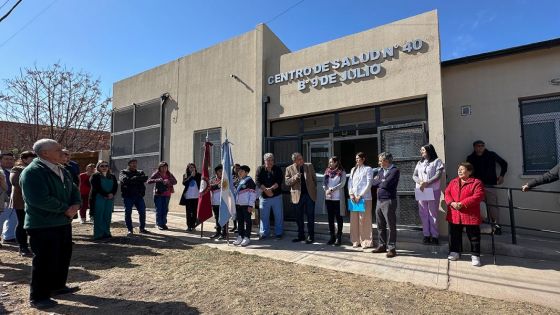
(51, 201)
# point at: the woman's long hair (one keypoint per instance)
(361, 155)
(338, 166)
(431, 151)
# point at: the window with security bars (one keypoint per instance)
(540, 118)
(136, 133)
(214, 137)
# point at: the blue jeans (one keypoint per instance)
(306, 206)
(8, 223)
(137, 201)
(162, 207)
(276, 204)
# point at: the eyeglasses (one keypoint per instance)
(103, 165)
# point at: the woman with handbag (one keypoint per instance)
(163, 188)
(189, 198)
(359, 187)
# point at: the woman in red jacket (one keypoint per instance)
(463, 196)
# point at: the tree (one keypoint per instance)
(57, 103)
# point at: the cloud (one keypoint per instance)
(482, 17)
(462, 44)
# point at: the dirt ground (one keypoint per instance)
(154, 274)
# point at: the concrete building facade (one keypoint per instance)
(383, 89)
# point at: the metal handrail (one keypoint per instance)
(512, 209)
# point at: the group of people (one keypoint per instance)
(47, 192)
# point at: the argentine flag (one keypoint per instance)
(227, 205)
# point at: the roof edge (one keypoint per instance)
(503, 52)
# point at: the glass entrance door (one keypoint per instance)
(319, 153)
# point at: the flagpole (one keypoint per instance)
(227, 232)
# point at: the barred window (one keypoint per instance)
(214, 137)
(541, 134)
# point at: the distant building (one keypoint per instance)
(20, 137)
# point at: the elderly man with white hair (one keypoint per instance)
(51, 201)
(269, 179)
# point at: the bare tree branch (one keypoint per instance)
(58, 103)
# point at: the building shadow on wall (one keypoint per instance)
(170, 116)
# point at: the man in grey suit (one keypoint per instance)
(301, 178)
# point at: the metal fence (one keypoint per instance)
(514, 208)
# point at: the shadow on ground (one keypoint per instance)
(98, 305)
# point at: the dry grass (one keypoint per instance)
(160, 275)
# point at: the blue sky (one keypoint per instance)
(114, 39)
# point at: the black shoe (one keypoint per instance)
(262, 237)
(215, 235)
(426, 240)
(435, 241)
(165, 227)
(42, 304)
(331, 240)
(25, 252)
(338, 241)
(309, 240)
(159, 227)
(391, 253)
(497, 230)
(144, 231)
(221, 237)
(65, 290)
(11, 241)
(130, 233)
(299, 239)
(278, 237)
(379, 249)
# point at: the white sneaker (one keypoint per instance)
(453, 256)
(246, 241)
(238, 241)
(476, 261)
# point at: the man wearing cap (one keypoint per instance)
(484, 162)
(133, 189)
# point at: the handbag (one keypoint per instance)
(160, 188)
(357, 207)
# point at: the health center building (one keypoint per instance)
(383, 89)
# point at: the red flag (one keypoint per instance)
(204, 210)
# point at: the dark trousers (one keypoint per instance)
(138, 202)
(53, 249)
(333, 211)
(386, 218)
(456, 238)
(190, 209)
(244, 223)
(21, 234)
(84, 206)
(306, 206)
(219, 229)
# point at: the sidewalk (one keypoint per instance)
(513, 278)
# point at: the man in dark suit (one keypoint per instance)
(386, 183)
